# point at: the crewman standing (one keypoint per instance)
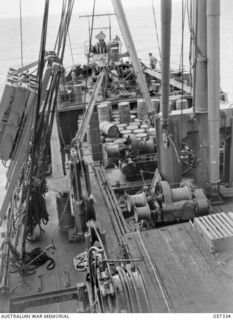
(101, 45)
(153, 61)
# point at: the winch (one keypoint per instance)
(168, 204)
(111, 285)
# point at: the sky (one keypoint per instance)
(10, 8)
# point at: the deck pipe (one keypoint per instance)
(213, 67)
(166, 9)
(200, 137)
(201, 96)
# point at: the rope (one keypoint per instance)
(176, 152)
(190, 42)
(156, 276)
(80, 262)
(182, 33)
(34, 138)
(156, 29)
(71, 50)
(89, 51)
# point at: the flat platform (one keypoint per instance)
(54, 280)
(179, 271)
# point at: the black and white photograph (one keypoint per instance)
(116, 159)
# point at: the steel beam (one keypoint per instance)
(21, 303)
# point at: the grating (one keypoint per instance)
(217, 230)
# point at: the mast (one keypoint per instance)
(122, 21)
(200, 92)
(167, 130)
(213, 55)
(201, 96)
(165, 50)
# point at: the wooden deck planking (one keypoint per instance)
(188, 284)
(163, 262)
(204, 286)
(191, 277)
(201, 263)
(214, 266)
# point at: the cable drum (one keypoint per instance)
(131, 292)
(137, 200)
(142, 213)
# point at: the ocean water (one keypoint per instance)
(141, 24)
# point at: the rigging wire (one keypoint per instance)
(21, 32)
(156, 29)
(189, 19)
(155, 273)
(182, 34)
(89, 51)
(41, 63)
(71, 50)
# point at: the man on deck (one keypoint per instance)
(153, 61)
(101, 45)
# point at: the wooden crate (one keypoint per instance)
(217, 230)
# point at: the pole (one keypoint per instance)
(200, 138)
(165, 51)
(201, 96)
(213, 55)
(122, 21)
(167, 133)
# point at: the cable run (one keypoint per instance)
(156, 29)
(41, 63)
(89, 51)
(71, 50)
(156, 276)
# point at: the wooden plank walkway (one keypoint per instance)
(173, 82)
(180, 271)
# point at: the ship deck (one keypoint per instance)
(180, 272)
(54, 281)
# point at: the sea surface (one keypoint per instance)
(141, 23)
